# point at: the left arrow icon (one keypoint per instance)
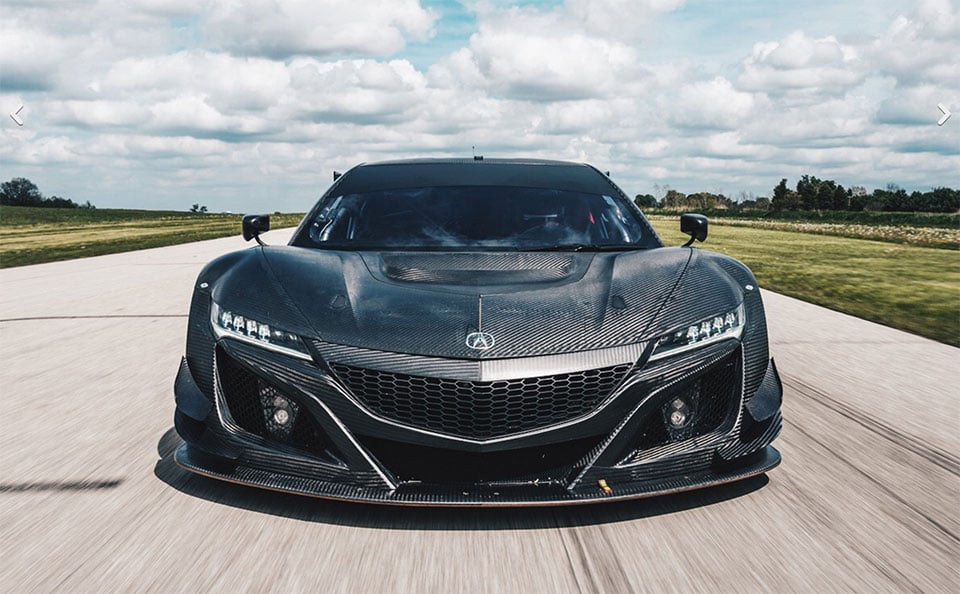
(16, 118)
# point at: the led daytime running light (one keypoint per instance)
(228, 323)
(708, 331)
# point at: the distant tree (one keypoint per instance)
(763, 203)
(841, 199)
(808, 188)
(893, 198)
(58, 202)
(701, 201)
(87, 205)
(20, 191)
(674, 199)
(858, 198)
(198, 208)
(825, 192)
(645, 200)
(784, 198)
(944, 200)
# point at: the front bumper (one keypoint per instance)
(607, 456)
(479, 495)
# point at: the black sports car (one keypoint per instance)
(477, 332)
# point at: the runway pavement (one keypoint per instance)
(867, 497)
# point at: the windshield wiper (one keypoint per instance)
(583, 247)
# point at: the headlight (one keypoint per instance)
(704, 332)
(227, 323)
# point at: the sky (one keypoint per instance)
(250, 106)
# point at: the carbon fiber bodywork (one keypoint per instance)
(388, 403)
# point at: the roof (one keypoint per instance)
(414, 173)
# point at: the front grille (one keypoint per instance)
(480, 410)
(244, 393)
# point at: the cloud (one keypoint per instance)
(921, 48)
(29, 57)
(229, 82)
(364, 91)
(97, 114)
(910, 106)
(713, 104)
(799, 62)
(623, 20)
(285, 28)
(257, 102)
(578, 50)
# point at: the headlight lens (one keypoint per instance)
(704, 332)
(228, 323)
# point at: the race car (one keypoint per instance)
(477, 332)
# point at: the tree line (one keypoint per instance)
(813, 193)
(20, 191)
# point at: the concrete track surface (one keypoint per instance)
(867, 497)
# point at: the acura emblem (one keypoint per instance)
(480, 341)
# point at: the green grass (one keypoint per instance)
(916, 289)
(947, 238)
(37, 235)
(861, 217)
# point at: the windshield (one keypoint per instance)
(473, 217)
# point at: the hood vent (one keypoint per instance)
(477, 268)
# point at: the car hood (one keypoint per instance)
(530, 303)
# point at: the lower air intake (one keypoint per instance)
(253, 405)
(436, 466)
(709, 400)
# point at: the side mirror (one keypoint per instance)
(694, 225)
(254, 225)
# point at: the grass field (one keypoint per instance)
(913, 288)
(37, 235)
(859, 217)
(925, 230)
(902, 285)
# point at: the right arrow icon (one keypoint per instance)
(946, 114)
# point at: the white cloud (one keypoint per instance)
(799, 62)
(910, 106)
(563, 53)
(97, 114)
(230, 82)
(624, 20)
(923, 47)
(29, 57)
(284, 28)
(365, 90)
(713, 104)
(259, 101)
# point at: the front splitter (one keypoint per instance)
(534, 495)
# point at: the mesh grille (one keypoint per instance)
(244, 394)
(480, 410)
